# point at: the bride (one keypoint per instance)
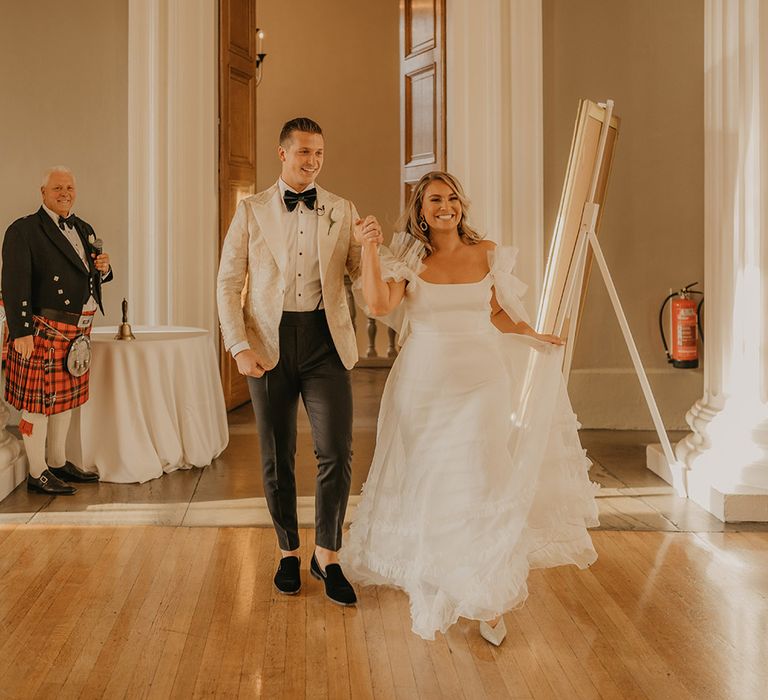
(478, 474)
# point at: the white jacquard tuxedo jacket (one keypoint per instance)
(254, 254)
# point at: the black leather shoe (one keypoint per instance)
(337, 588)
(288, 576)
(69, 472)
(49, 484)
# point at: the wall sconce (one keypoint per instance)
(260, 55)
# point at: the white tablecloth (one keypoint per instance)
(156, 405)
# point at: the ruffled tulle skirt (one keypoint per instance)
(478, 475)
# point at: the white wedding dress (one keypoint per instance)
(478, 473)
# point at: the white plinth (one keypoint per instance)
(13, 460)
(740, 505)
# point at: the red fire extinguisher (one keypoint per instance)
(684, 322)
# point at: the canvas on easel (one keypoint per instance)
(575, 244)
(585, 149)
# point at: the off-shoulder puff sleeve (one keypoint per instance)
(402, 260)
(509, 289)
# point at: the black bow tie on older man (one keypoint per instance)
(292, 199)
(68, 220)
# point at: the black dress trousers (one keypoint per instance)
(309, 367)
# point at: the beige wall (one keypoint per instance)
(336, 62)
(64, 92)
(647, 55)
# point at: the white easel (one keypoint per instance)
(572, 297)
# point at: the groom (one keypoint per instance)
(292, 338)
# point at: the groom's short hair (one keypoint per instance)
(299, 124)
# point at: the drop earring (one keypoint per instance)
(423, 225)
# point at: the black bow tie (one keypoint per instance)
(68, 220)
(292, 199)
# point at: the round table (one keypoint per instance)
(156, 405)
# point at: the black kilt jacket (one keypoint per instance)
(42, 270)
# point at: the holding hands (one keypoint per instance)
(368, 231)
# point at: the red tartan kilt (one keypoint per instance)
(41, 384)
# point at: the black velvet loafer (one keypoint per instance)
(337, 588)
(288, 576)
(49, 484)
(69, 472)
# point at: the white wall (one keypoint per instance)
(172, 162)
(494, 124)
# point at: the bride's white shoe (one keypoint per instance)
(495, 635)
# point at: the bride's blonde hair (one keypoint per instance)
(411, 218)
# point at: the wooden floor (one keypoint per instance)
(675, 607)
(229, 492)
(190, 612)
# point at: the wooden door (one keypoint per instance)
(237, 141)
(422, 90)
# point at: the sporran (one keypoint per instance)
(78, 360)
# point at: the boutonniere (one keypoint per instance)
(322, 211)
(91, 239)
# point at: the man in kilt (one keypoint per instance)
(53, 269)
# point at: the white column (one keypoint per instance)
(172, 162)
(13, 459)
(494, 123)
(727, 452)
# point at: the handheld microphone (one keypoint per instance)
(97, 247)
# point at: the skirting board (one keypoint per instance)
(238, 512)
(612, 399)
(744, 505)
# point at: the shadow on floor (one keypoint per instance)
(229, 491)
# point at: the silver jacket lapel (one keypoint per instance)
(268, 216)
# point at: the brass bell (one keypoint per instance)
(124, 332)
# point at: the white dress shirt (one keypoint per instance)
(76, 242)
(302, 273)
(303, 290)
